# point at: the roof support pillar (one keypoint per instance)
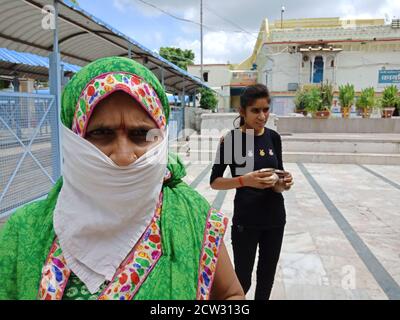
(183, 103)
(130, 51)
(55, 90)
(312, 69)
(162, 77)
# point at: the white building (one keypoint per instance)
(361, 52)
(218, 77)
(227, 81)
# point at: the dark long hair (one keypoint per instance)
(249, 95)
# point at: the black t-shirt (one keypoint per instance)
(243, 153)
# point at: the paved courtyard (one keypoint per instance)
(342, 238)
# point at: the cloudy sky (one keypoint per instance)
(230, 25)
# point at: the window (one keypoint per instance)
(318, 75)
(205, 76)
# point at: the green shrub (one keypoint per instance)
(346, 95)
(366, 99)
(313, 100)
(208, 99)
(327, 95)
(390, 97)
(299, 99)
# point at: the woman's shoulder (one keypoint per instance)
(186, 197)
(230, 135)
(191, 205)
(273, 135)
(29, 218)
(35, 216)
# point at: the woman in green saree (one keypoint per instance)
(120, 224)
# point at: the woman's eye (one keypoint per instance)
(102, 132)
(138, 136)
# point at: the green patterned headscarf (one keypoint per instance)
(81, 79)
(75, 97)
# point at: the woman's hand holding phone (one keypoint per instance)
(288, 180)
(285, 180)
(261, 179)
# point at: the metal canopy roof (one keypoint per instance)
(28, 65)
(82, 39)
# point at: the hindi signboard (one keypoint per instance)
(389, 77)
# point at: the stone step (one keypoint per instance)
(201, 156)
(184, 157)
(344, 146)
(179, 146)
(205, 156)
(204, 142)
(342, 158)
(331, 143)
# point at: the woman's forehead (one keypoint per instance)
(120, 107)
(260, 103)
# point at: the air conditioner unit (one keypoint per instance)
(293, 86)
(396, 23)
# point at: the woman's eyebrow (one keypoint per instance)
(138, 126)
(100, 125)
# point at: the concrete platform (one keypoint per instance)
(335, 125)
(319, 148)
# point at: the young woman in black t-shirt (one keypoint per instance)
(259, 213)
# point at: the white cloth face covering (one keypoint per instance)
(103, 209)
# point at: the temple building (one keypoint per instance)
(365, 53)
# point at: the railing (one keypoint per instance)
(359, 32)
(176, 123)
(244, 78)
(29, 148)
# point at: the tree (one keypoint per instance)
(4, 84)
(182, 58)
(208, 99)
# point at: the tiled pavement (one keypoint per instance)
(342, 238)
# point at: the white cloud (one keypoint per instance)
(391, 8)
(355, 10)
(349, 11)
(124, 5)
(179, 8)
(250, 14)
(120, 4)
(220, 47)
(222, 44)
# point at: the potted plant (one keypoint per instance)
(389, 101)
(313, 103)
(299, 101)
(346, 98)
(366, 101)
(397, 110)
(327, 95)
